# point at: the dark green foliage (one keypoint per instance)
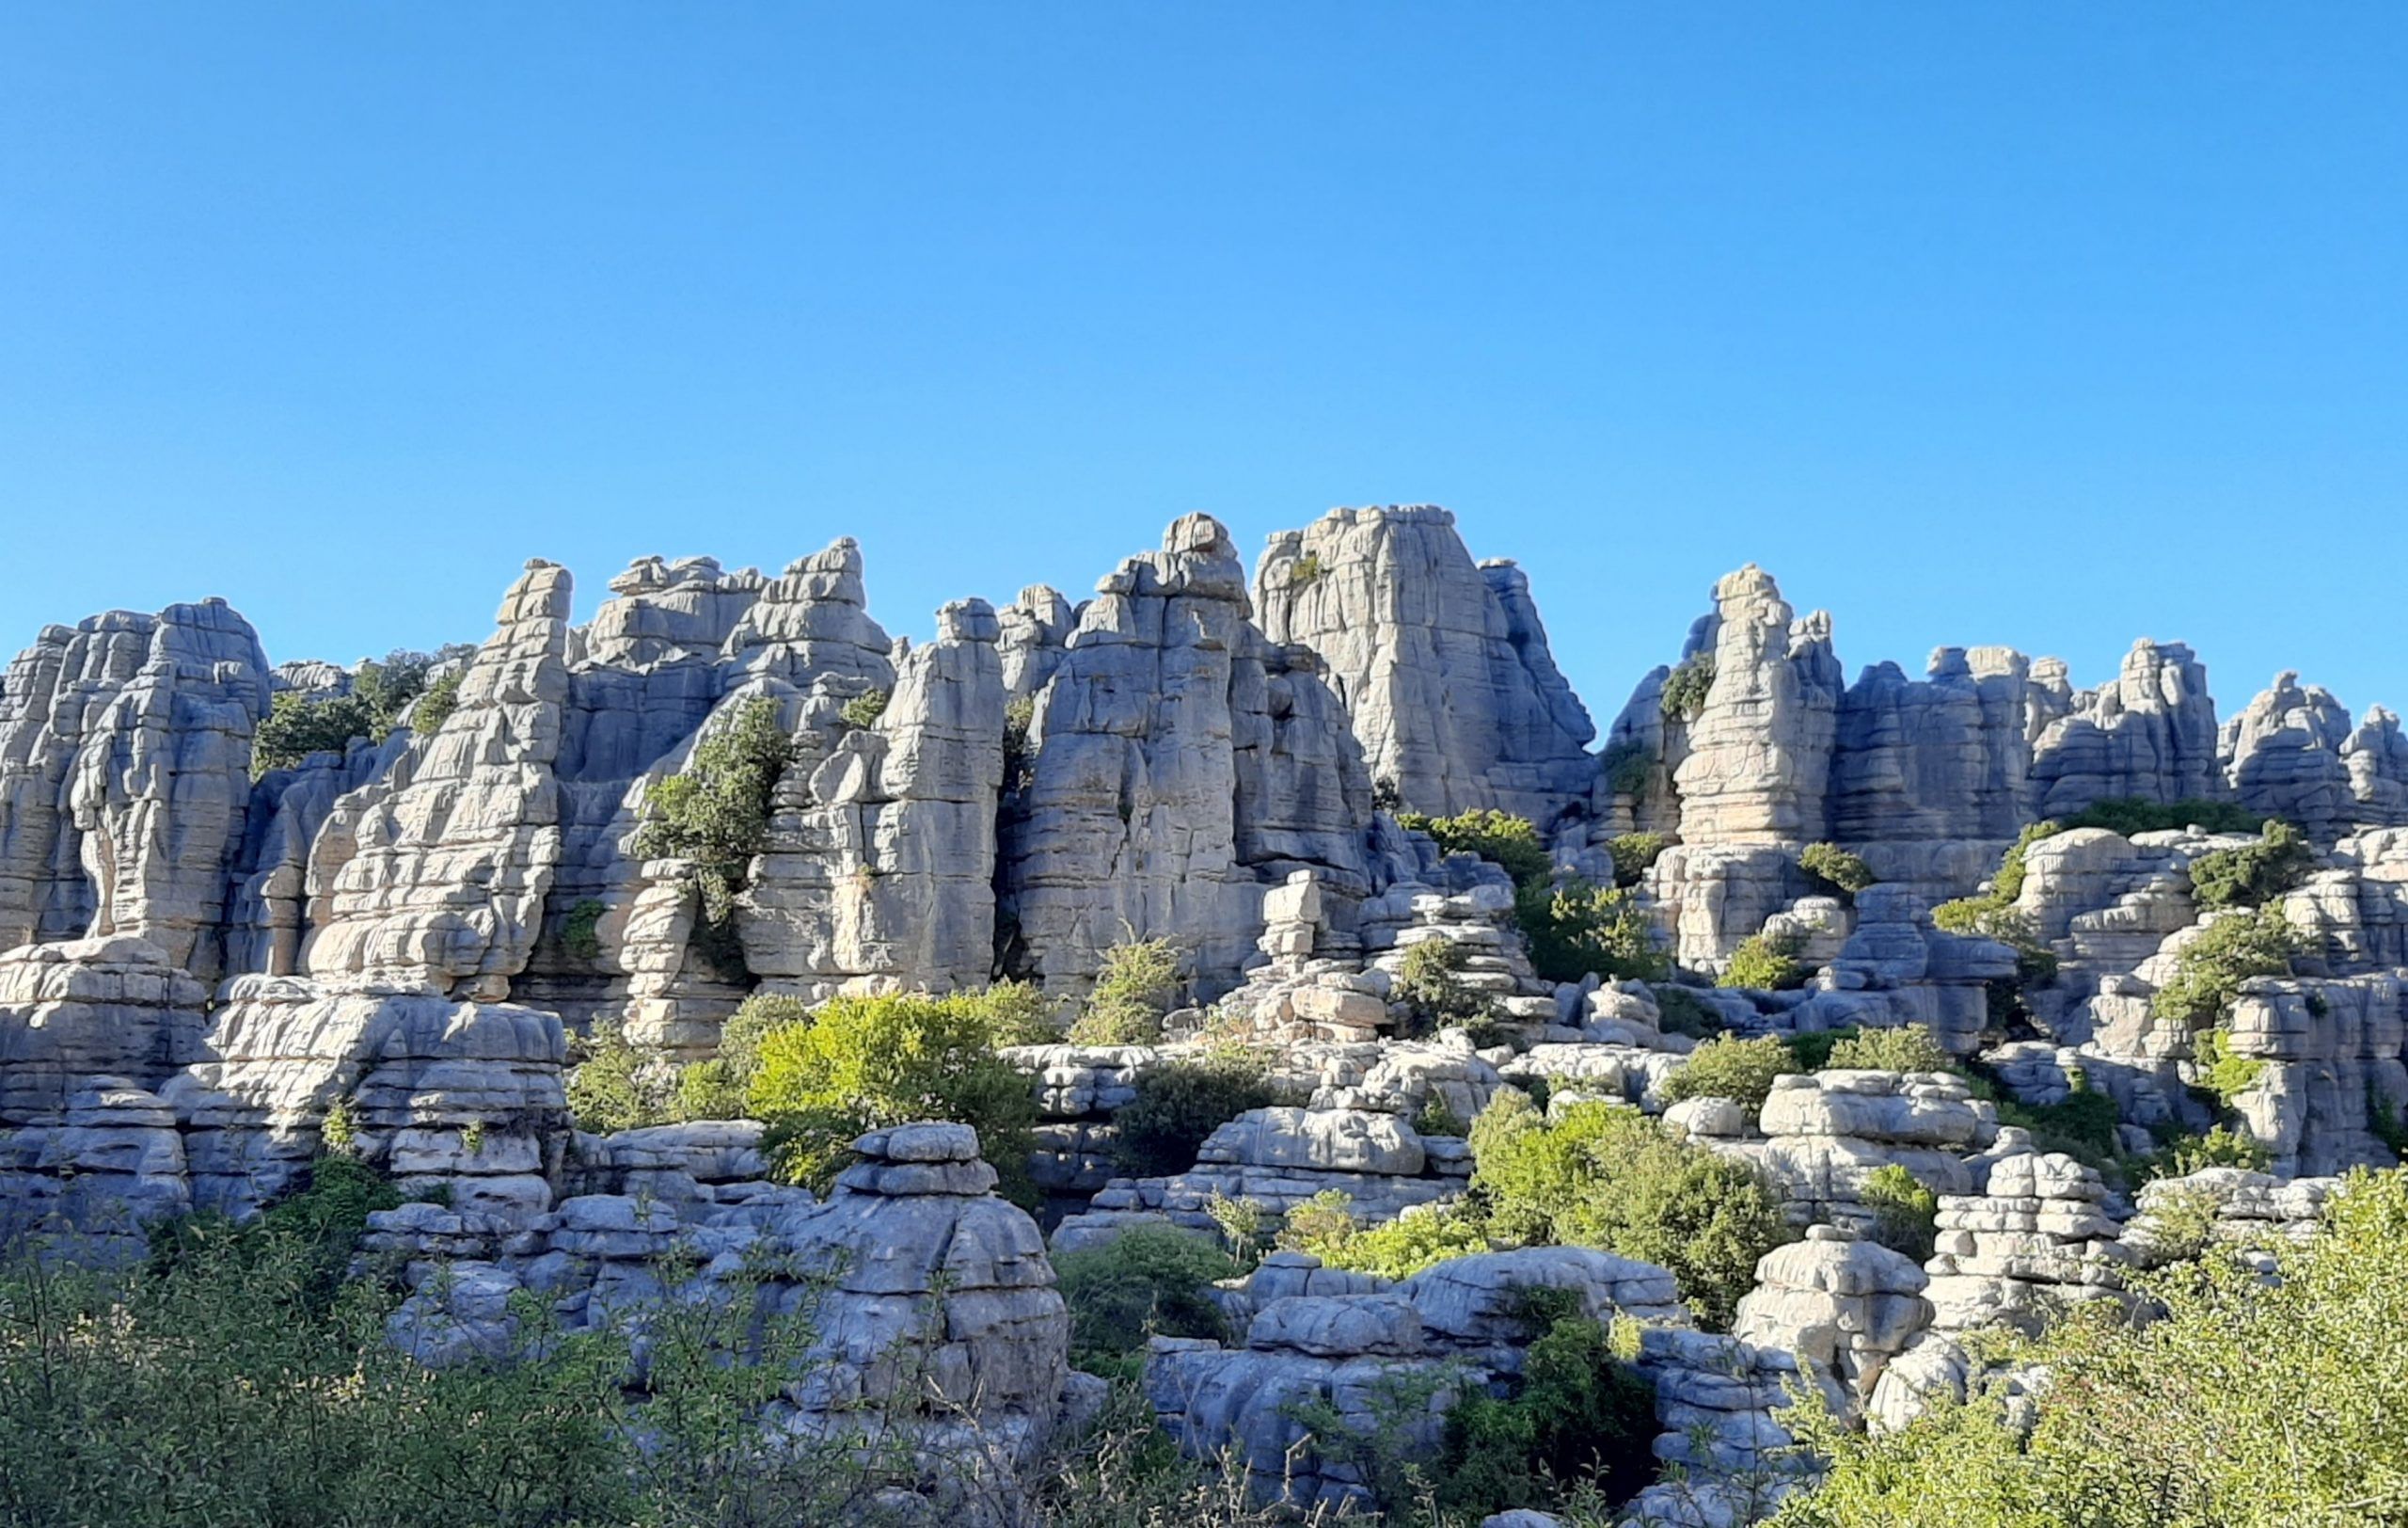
(1574, 929)
(1628, 769)
(1385, 796)
(1728, 1066)
(1681, 1011)
(2081, 1125)
(606, 1092)
(2388, 1121)
(2219, 1148)
(298, 724)
(1151, 1282)
(1135, 987)
(1435, 1119)
(1430, 984)
(1687, 687)
(312, 1232)
(1019, 714)
(2255, 874)
(858, 1064)
(1812, 1052)
(2210, 970)
(1499, 838)
(1906, 1214)
(1765, 963)
(1580, 1414)
(436, 703)
(1906, 1048)
(1607, 1176)
(714, 814)
(1835, 869)
(1635, 854)
(578, 931)
(2129, 815)
(1157, 1133)
(864, 709)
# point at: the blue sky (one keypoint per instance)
(2049, 324)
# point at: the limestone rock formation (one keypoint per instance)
(2150, 734)
(1759, 763)
(1440, 663)
(2283, 757)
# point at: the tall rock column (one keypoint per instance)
(1442, 663)
(2376, 755)
(1760, 752)
(433, 877)
(881, 877)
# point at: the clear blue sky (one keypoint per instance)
(2054, 324)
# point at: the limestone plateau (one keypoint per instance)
(211, 973)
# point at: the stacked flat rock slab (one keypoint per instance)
(2329, 1054)
(269, 910)
(2152, 734)
(2245, 1211)
(432, 878)
(2283, 757)
(1719, 1400)
(1440, 664)
(2353, 916)
(1897, 968)
(1842, 1306)
(126, 748)
(1034, 632)
(2376, 755)
(2036, 1237)
(1079, 1087)
(939, 1314)
(884, 878)
(1826, 1132)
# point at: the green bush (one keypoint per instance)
(1399, 1249)
(2210, 970)
(578, 931)
(1628, 769)
(1765, 963)
(1681, 1011)
(1304, 570)
(436, 703)
(1607, 1176)
(1499, 838)
(1907, 1048)
(863, 710)
(2219, 1148)
(1019, 714)
(1147, 1281)
(1730, 1067)
(2081, 1125)
(1687, 687)
(2130, 815)
(298, 724)
(858, 1064)
(1157, 1133)
(2251, 1401)
(1831, 867)
(1580, 1414)
(1136, 985)
(1635, 854)
(1429, 985)
(1812, 1051)
(2254, 874)
(714, 814)
(1906, 1214)
(606, 1091)
(1574, 930)
(1435, 1119)
(2219, 1070)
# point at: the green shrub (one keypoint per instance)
(1635, 854)
(1687, 687)
(1574, 930)
(1399, 1249)
(605, 1092)
(2081, 1125)
(436, 703)
(1019, 714)
(1906, 1214)
(1813, 1050)
(858, 1064)
(578, 931)
(299, 723)
(1580, 1414)
(1499, 838)
(1730, 1067)
(714, 814)
(1435, 1119)
(1240, 1221)
(2210, 970)
(1177, 1106)
(1628, 769)
(2219, 1148)
(1907, 1048)
(2222, 1071)
(2202, 1416)
(863, 710)
(1326, 1217)
(1136, 985)
(2254, 874)
(2130, 815)
(1147, 1281)
(2387, 1121)
(1304, 570)
(1429, 985)
(1765, 963)
(1607, 1176)
(1681, 1011)
(1831, 867)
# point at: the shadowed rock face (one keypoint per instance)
(1442, 664)
(2151, 734)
